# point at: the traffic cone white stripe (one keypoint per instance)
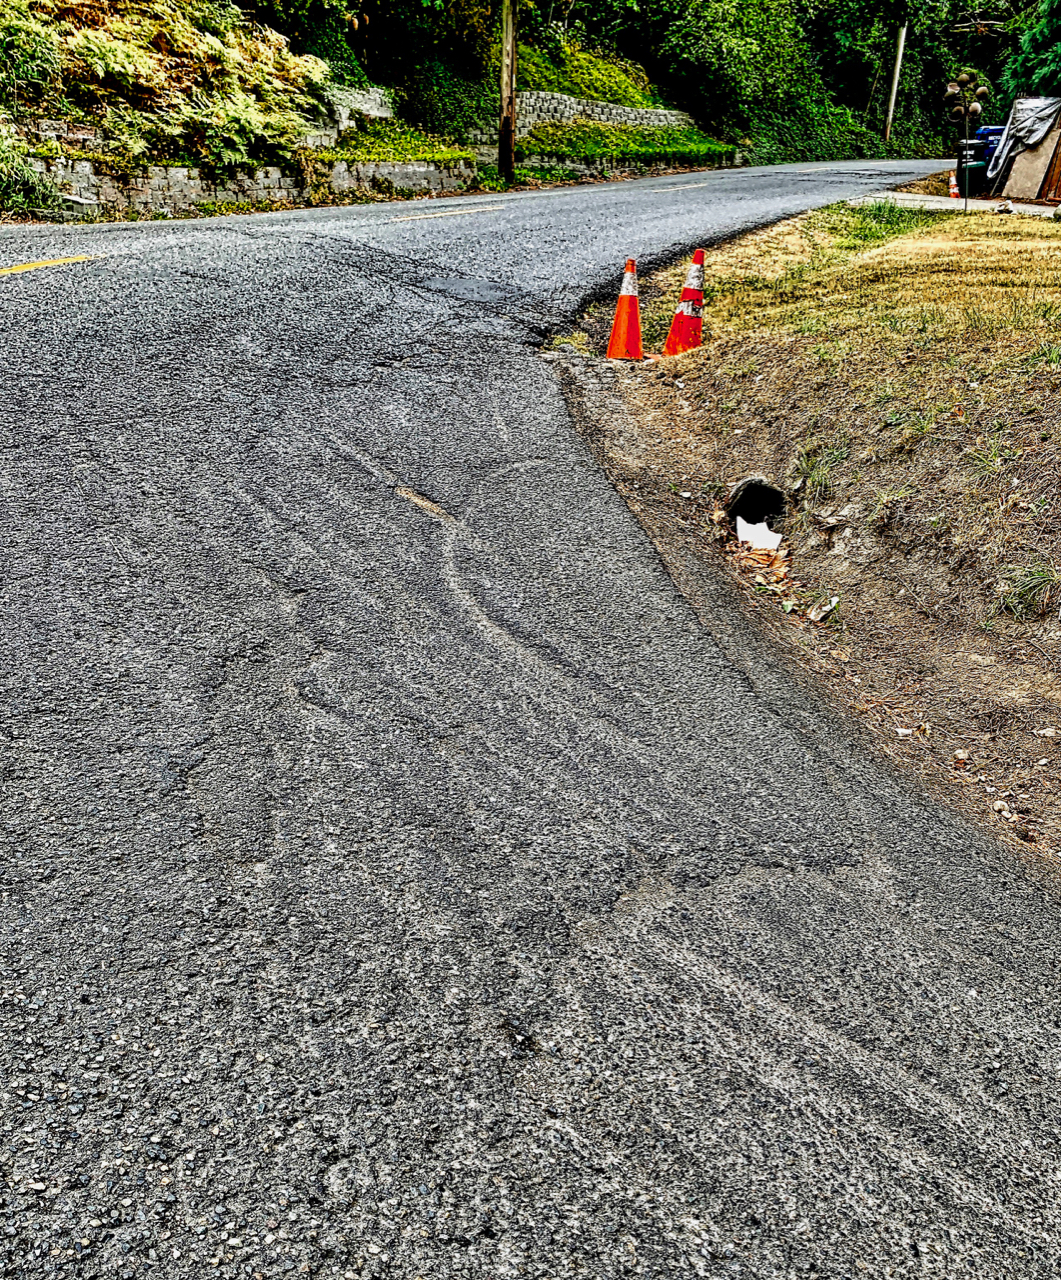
(687, 326)
(625, 342)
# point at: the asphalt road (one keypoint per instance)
(398, 878)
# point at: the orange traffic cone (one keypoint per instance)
(625, 343)
(686, 328)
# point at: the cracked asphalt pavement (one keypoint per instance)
(399, 879)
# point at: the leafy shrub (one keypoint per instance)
(186, 80)
(21, 186)
(237, 129)
(444, 102)
(324, 29)
(814, 127)
(384, 140)
(489, 178)
(327, 39)
(567, 68)
(809, 129)
(112, 60)
(30, 59)
(590, 140)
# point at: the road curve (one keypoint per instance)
(398, 879)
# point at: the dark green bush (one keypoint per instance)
(327, 39)
(444, 102)
(567, 68)
(589, 140)
(815, 128)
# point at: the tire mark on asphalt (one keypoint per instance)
(553, 687)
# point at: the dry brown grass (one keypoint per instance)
(904, 393)
(975, 276)
(936, 184)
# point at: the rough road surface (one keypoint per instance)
(399, 879)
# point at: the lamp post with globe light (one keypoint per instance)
(965, 97)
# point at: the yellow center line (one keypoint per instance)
(50, 262)
(450, 213)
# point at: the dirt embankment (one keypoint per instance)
(896, 375)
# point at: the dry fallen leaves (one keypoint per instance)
(769, 567)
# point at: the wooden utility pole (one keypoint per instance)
(900, 44)
(506, 137)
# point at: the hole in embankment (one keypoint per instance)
(756, 502)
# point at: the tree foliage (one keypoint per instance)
(805, 77)
(788, 78)
(1035, 67)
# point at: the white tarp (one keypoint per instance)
(1029, 122)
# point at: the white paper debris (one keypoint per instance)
(822, 610)
(759, 536)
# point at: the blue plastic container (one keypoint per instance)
(990, 135)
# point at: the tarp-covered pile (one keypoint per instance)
(1028, 157)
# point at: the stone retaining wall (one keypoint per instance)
(534, 107)
(347, 103)
(178, 188)
(65, 132)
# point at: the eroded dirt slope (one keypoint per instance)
(896, 375)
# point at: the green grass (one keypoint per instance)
(1029, 590)
(913, 429)
(993, 456)
(1047, 353)
(862, 226)
(817, 463)
(888, 497)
